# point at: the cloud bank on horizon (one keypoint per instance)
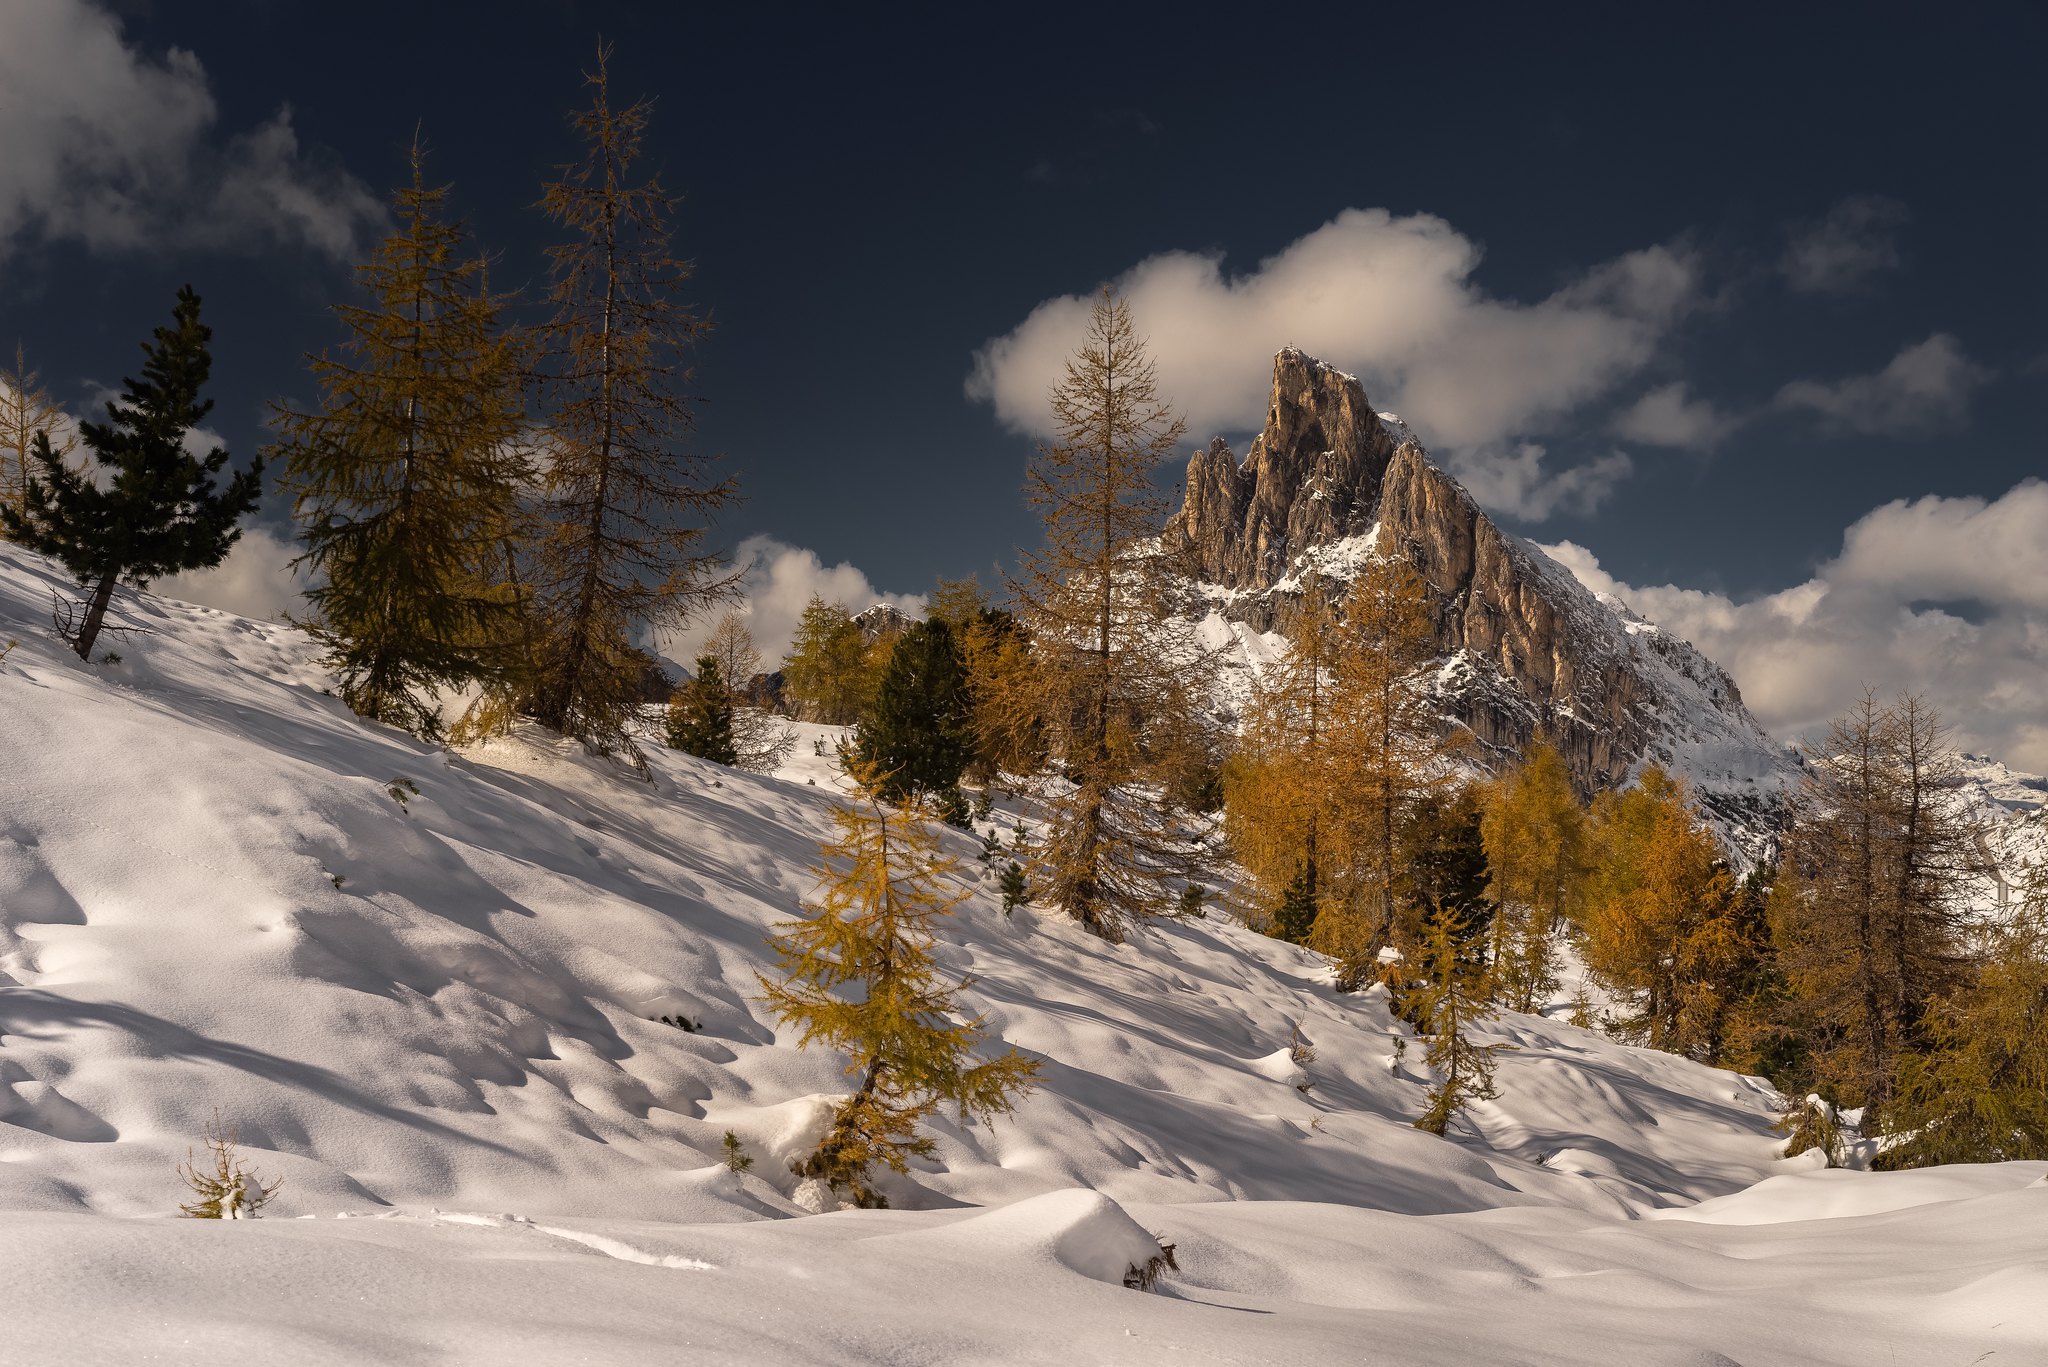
(1945, 597)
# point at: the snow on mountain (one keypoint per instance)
(439, 1016)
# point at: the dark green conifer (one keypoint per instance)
(1297, 910)
(700, 717)
(919, 732)
(406, 477)
(1015, 887)
(159, 511)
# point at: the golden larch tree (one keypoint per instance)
(26, 410)
(625, 505)
(859, 976)
(1536, 854)
(1116, 689)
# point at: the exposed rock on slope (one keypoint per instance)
(1527, 649)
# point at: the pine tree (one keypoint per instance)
(1448, 1001)
(700, 717)
(1015, 887)
(160, 511)
(624, 508)
(1387, 734)
(760, 740)
(1535, 839)
(827, 670)
(1868, 919)
(406, 478)
(859, 976)
(918, 732)
(1115, 690)
(26, 409)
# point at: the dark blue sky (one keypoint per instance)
(871, 199)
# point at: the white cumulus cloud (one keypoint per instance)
(1394, 300)
(777, 581)
(256, 579)
(118, 148)
(1947, 597)
(1669, 416)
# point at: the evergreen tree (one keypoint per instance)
(1443, 866)
(700, 716)
(1015, 887)
(405, 480)
(1116, 691)
(1868, 917)
(26, 410)
(1448, 999)
(827, 670)
(859, 976)
(1535, 839)
(1295, 917)
(624, 508)
(160, 511)
(760, 739)
(918, 733)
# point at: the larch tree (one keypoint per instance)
(1387, 734)
(1447, 997)
(157, 509)
(1869, 915)
(1282, 793)
(625, 506)
(27, 411)
(1979, 1091)
(1115, 688)
(760, 739)
(1536, 853)
(828, 671)
(859, 975)
(1665, 922)
(406, 478)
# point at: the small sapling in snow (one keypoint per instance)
(1191, 898)
(403, 790)
(737, 1158)
(230, 1191)
(682, 1023)
(1145, 1278)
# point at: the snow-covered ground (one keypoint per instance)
(438, 1020)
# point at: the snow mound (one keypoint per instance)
(1079, 1231)
(1839, 1194)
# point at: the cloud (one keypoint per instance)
(777, 581)
(254, 581)
(1947, 597)
(1389, 298)
(1923, 386)
(1515, 477)
(1857, 239)
(1668, 416)
(115, 148)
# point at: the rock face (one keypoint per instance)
(1528, 651)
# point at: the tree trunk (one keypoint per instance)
(95, 614)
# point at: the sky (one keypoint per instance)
(1742, 314)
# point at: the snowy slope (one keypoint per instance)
(210, 899)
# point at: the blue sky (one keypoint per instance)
(1743, 307)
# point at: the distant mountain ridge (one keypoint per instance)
(1527, 649)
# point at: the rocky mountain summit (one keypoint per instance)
(1527, 650)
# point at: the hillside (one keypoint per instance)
(435, 1014)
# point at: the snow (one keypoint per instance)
(437, 1022)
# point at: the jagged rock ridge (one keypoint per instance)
(1527, 649)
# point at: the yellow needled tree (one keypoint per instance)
(1535, 837)
(859, 976)
(27, 409)
(1389, 750)
(1117, 692)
